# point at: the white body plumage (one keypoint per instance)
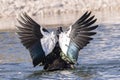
(48, 42)
(64, 40)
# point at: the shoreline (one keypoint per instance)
(54, 26)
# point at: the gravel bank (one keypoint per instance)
(57, 12)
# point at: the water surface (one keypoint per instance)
(100, 60)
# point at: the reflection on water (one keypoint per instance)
(100, 60)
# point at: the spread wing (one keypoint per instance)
(78, 36)
(32, 36)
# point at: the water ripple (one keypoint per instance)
(99, 60)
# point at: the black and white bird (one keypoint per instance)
(58, 49)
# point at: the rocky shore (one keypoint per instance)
(57, 12)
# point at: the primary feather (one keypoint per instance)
(78, 36)
(38, 40)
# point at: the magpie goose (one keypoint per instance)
(58, 49)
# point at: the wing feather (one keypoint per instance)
(29, 29)
(79, 35)
(89, 28)
(30, 34)
(83, 28)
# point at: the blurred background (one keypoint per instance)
(57, 12)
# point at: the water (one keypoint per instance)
(100, 60)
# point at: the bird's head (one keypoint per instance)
(58, 31)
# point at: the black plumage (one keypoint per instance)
(30, 36)
(81, 30)
(79, 34)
